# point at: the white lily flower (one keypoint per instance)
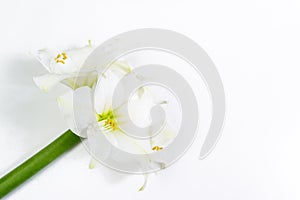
(64, 67)
(102, 121)
(101, 113)
(140, 105)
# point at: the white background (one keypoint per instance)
(254, 44)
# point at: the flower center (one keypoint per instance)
(60, 58)
(109, 120)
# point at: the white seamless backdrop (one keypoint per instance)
(255, 46)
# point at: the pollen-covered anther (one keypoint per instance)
(60, 58)
(110, 124)
(64, 55)
(157, 148)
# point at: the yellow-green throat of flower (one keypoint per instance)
(109, 120)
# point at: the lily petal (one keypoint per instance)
(83, 109)
(120, 68)
(65, 103)
(74, 60)
(96, 142)
(104, 91)
(79, 55)
(165, 137)
(88, 79)
(45, 57)
(79, 119)
(126, 143)
(47, 81)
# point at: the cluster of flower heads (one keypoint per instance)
(65, 67)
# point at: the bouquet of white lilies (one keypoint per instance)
(115, 110)
(95, 120)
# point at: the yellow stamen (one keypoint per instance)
(109, 120)
(58, 58)
(157, 148)
(64, 55)
(60, 61)
(111, 124)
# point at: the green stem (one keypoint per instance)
(37, 162)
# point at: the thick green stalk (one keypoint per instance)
(37, 162)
